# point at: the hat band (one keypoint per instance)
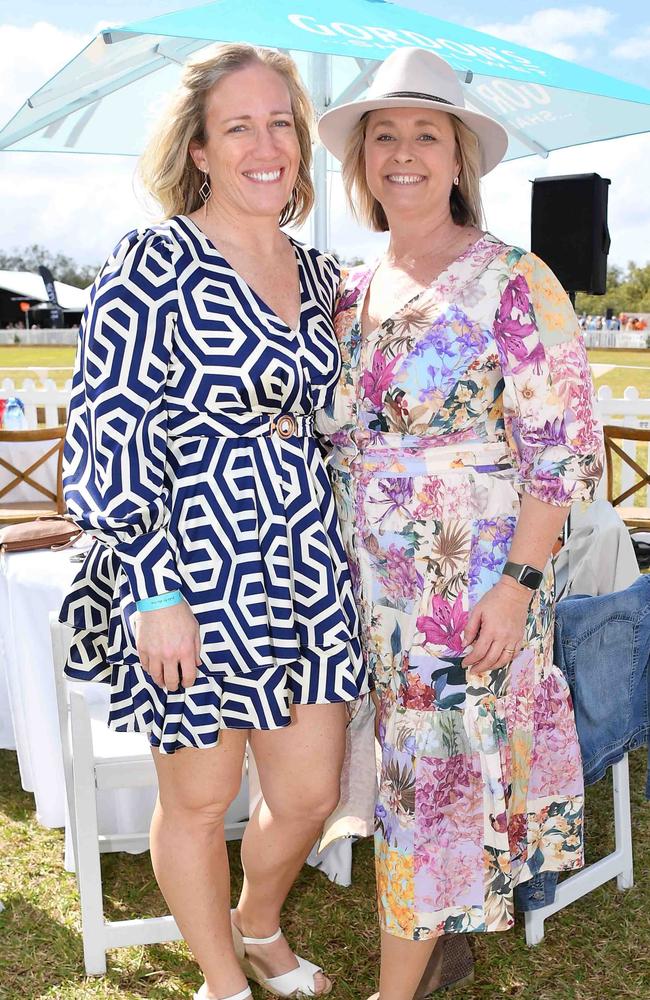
(417, 95)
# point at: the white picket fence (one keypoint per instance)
(46, 404)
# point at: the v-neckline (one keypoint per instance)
(261, 302)
(366, 335)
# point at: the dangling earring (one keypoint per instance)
(456, 181)
(205, 190)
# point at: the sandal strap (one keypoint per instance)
(244, 995)
(266, 940)
(297, 981)
(250, 940)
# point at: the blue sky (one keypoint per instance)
(81, 205)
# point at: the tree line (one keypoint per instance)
(628, 291)
(63, 268)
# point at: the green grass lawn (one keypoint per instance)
(633, 368)
(14, 362)
(596, 949)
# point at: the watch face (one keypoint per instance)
(531, 577)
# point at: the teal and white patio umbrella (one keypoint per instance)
(106, 98)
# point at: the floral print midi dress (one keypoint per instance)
(475, 390)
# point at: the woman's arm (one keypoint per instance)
(499, 618)
(116, 441)
(550, 424)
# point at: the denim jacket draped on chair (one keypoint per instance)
(602, 645)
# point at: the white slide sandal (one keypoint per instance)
(244, 995)
(297, 982)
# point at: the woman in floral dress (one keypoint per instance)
(461, 431)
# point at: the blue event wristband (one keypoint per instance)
(160, 601)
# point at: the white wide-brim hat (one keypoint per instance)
(414, 78)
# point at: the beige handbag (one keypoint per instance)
(54, 531)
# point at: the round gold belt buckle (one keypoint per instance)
(285, 425)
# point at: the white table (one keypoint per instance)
(32, 584)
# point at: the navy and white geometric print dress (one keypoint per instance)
(178, 461)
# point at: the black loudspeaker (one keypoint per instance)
(569, 229)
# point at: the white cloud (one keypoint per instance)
(29, 56)
(78, 205)
(634, 48)
(560, 31)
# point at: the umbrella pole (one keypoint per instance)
(320, 88)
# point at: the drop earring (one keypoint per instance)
(456, 181)
(205, 190)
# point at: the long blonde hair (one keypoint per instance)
(166, 167)
(464, 198)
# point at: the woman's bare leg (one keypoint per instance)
(188, 852)
(300, 771)
(402, 966)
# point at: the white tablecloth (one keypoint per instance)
(32, 584)
(22, 454)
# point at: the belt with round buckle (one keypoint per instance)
(285, 425)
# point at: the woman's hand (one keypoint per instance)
(495, 628)
(169, 645)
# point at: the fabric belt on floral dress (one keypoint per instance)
(410, 455)
(282, 425)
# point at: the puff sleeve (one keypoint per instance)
(115, 447)
(548, 399)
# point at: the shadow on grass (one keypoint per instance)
(37, 951)
(42, 957)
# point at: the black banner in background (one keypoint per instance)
(56, 315)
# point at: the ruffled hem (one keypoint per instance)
(473, 802)
(194, 717)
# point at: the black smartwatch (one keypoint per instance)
(528, 576)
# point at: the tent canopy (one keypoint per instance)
(105, 99)
(31, 286)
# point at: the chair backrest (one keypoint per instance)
(19, 475)
(612, 434)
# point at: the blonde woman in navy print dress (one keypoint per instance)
(462, 429)
(216, 600)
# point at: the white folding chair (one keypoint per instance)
(619, 864)
(96, 758)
